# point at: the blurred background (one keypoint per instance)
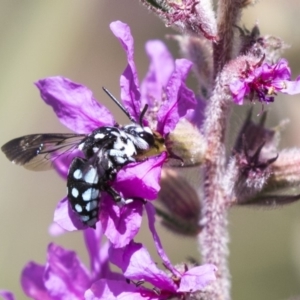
(72, 38)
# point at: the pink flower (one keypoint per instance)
(6, 295)
(262, 81)
(76, 108)
(64, 276)
(137, 267)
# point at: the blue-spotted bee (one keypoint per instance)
(105, 151)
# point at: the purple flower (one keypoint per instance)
(138, 267)
(64, 276)
(163, 88)
(169, 100)
(6, 295)
(262, 81)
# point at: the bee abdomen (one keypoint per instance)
(84, 190)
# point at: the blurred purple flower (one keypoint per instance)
(6, 295)
(64, 276)
(263, 81)
(138, 267)
(76, 108)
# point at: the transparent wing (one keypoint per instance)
(37, 151)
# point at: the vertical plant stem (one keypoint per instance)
(229, 12)
(214, 237)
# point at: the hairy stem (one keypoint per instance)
(213, 238)
(229, 12)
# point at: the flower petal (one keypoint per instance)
(55, 230)
(66, 218)
(157, 77)
(239, 90)
(32, 282)
(92, 238)
(129, 83)
(120, 224)
(65, 275)
(145, 175)
(98, 253)
(136, 264)
(197, 278)
(74, 104)
(179, 98)
(117, 290)
(291, 87)
(150, 210)
(6, 295)
(196, 116)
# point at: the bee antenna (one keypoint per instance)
(113, 98)
(143, 114)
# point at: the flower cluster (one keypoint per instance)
(262, 81)
(122, 163)
(168, 100)
(64, 276)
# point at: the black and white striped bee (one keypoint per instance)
(106, 150)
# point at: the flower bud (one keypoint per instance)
(180, 204)
(255, 151)
(264, 175)
(187, 143)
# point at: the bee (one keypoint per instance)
(105, 151)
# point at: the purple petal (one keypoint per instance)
(55, 230)
(145, 175)
(129, 83)
(92, 238)
(32, 282)
(136, 264)
(74, 104)
(291, 87)
(117, 290)
(66, 218)
(281, 70)
(150, 210)
(179, 98)
(65, 275)
(121, 224)
(196, 116)
(197, 278)
(157, 77)
(6, 295)
(239, 90)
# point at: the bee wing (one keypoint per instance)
(37, 151)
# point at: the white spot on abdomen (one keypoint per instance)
(77, 174)
(78, 208)
(84, 218)
(90, 194)
(91, 205)
(91, 176)
(74, 192)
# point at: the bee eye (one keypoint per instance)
(147, 137)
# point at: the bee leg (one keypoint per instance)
(116, 196)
